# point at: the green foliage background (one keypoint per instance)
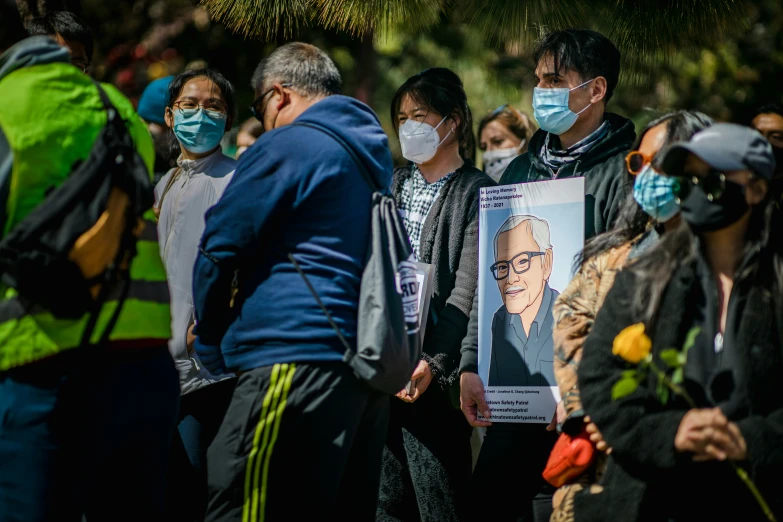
(140, 40)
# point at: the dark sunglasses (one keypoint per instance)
(713, 184)
(259, 113)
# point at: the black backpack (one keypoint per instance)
(34, 256)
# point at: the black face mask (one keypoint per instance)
(704, 215)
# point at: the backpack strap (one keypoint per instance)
(321, 304)
(125, 253)
(107, 104)
(174, 177)
(6, 167)
(336, 137)
(368, 178)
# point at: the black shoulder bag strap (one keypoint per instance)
(6, 166)
(373, 186)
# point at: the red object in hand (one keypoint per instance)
(570, 457)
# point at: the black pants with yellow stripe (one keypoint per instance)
(299, 442)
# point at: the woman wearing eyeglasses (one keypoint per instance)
(649, 211)
(200, 111)
(705, 307)
(503, 135)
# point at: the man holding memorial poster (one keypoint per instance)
(528, 237)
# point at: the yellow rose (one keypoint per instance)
(632, 344)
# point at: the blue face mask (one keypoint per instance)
(198, 130)
(550, 108)
(655, 194)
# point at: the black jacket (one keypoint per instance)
(606, 186)
(603, 167)
(449, 242)
(646, 474)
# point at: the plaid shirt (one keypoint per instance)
(416, 199)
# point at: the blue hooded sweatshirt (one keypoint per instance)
(296, 190)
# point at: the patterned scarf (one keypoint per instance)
(556, 159)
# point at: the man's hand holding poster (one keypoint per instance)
(529, 235)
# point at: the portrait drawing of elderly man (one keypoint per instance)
(522, 353)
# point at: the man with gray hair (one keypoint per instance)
(522, 352)
(303, 437)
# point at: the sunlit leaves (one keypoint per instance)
(262, 19)
(362, 16)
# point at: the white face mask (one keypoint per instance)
(420, 141)
(496, 161)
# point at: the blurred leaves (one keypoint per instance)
(724, 69)
(647, 32)
(502, 20)
(649, 27)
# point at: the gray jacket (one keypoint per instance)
(449, 242)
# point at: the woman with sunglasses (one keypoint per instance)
(649, 211)
(427, 459)
(200, 111)
(503, 135)
(706, 308)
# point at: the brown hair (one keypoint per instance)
(513, 119)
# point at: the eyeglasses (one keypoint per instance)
(520, 263)
(259, 113)
(189, 108)
(713, 184)
(636, 160)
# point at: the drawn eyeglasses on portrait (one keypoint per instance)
(520, 263)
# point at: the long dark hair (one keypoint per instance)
(655, 268)
(632, 220)
(440, 90)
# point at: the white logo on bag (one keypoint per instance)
(408, 288)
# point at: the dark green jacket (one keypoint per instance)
(603, 168)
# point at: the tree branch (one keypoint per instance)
(29, 9)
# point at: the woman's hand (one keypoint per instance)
(709, 435)
(596, 437)
(421, 379)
